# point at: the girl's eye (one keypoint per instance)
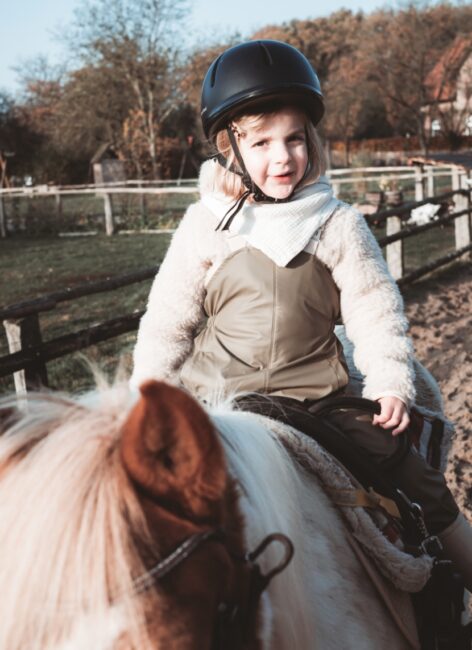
(260, 143)
(297, 137)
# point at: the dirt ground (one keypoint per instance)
(440, 313)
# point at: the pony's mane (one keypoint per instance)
(65, 452)
(270, 486)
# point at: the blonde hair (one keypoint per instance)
(231, 184)
(70, 557)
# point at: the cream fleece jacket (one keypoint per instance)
(371, 304)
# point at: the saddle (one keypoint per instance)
(405, 518)
(384, 526)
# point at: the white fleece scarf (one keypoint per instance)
(280, 230)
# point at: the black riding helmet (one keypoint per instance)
(257, 75)
(258, 71)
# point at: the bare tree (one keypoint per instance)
(401, 49)
(36, 113)
(323, 40)
(345, 90)
(134, 40)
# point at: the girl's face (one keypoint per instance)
(274, 150)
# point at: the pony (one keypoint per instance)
(128, 520)
(94, 492)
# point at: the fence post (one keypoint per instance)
(419, 183)
(24, 333)
(430, 181)
(143, 205)
(58, 200)
(109, 224)
(462, 226)
(394, 251)
(3, 228)
(335, 185)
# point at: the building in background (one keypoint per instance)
(107, 167)
(448, 110)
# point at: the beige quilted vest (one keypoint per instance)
(269, 329)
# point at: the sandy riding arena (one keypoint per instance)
(440, 313)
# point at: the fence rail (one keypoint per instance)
(29, 354)
(48, 302)
(36, 356)
(420, 180)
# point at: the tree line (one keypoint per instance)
(130, 86)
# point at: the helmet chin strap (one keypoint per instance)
(252, 188)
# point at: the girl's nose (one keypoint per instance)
(281, 152)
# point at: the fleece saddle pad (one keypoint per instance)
(365, 522)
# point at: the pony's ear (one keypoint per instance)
(170, 450)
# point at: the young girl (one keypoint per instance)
(272, 260)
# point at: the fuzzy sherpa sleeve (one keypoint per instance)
(371, 306)
(175, 304)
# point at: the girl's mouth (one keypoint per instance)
(283, 177)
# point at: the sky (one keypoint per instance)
(27, 26)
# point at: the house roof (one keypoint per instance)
(441, 80)
(105, 150)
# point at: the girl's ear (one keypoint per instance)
(170, 450)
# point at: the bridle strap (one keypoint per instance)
(284, 562)
(181, 553)
(234, 618)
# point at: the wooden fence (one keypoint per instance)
(420, 181)
(105, 193)
(29, 354)
(421, 178)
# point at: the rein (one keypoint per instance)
(234, 616)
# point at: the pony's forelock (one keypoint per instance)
(65, 452)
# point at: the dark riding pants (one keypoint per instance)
(413, 475)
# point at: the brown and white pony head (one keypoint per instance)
(92, 496)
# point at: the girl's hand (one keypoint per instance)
(393, 414)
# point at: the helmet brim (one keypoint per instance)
(260, 100)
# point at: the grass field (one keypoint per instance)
(38, 215)
(31, 267)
